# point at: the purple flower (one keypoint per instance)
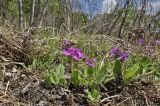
(66, 42)
(68, 51)
(75, 53)
(149, 51)
(94, 59)
(124, 56)
(157, 42)
(141, 41)
(91, 63)
(115, 52)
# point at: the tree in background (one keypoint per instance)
(67, 16)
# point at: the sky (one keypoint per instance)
(108, 5)
(101, 6)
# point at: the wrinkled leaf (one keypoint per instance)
(56, 76)
(101, 75)
(93, 95)
(132, 72)
(75, 77)
(117, 68)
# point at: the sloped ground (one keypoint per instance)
(24, 88)
(20, 86)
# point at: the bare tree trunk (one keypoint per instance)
(3, 9)
(32, 13)
(37, 11)
(68, 18)
(44, 11)
(66, 12)
(144, 4)
(152, 20)
(124, 18)
(111, 27)
(20, 5)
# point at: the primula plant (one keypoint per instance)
(136, 68)
(93, 74)
(91, 71)
(56, 76)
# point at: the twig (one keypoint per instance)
(103, 100)
(6, 88)
(25, 89)
(146, 99)
(104, 87)
(146, 74)
(18, 63)
(111, 39)
(123, 101)
(3, 74)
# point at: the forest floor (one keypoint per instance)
(22, 86)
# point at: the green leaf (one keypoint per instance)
(157, 77)
(84, 81)
(75, 77)
(56, 76)
(62, 80)
(93, 95)
(60, 74)
(60, 70)
(117, 68)
(53, 78)
(108, 79)
(145, 62)
(132, 72)
(90, 71)
(101, 75)
(157, 74)
(101, 65)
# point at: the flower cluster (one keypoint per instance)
(149, 47)
(77, 54)
(117, 53)
(157, 42)
(67, 44)
(141, 41)
(91, 62)
(149, 51)
(124, 56)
